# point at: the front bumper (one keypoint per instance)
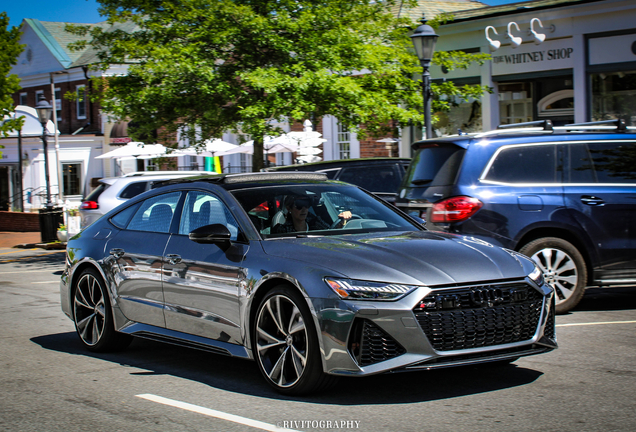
(440, 327)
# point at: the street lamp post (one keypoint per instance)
(44, 110)
(424, 39)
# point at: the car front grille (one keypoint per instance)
(479, 316)
(369, 344)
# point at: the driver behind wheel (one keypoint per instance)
(299, 219)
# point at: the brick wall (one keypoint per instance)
(20, 222)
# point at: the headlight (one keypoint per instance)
(365, 290)
(537, 276)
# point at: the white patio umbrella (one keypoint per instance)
(213, 147)
(305, 138)
(135, 149)
(269, 146)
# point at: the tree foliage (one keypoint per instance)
(9, 83)
(207, 66)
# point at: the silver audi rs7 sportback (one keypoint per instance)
(312, 278)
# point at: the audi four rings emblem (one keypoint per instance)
(486, 296)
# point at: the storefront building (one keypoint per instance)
(563, 60)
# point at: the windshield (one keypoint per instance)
(324, 209)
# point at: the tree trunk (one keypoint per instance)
(257, 157)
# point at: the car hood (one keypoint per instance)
(419, 258)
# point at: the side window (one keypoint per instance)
(581, 166)
(120, 220)
(374, 179)
(133, 189)
(155, 214)
(524, 164)
(202, 208)
(612, 162)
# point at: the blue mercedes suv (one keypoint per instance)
(563, 195)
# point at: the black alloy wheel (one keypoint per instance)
(286, 344)
(92, 315)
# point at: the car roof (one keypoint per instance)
(324, 165)
(543, 129)
(162, 175)
(232, 181)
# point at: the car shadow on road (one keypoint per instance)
(607, 299)
(242, 376)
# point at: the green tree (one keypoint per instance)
(9, 83)
(207, 66)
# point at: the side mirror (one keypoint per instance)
(211, 234)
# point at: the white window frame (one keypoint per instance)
(23, 99)
(39, 95)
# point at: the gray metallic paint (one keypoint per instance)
(425, 259)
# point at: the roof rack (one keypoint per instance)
(617, 124)
(282, 175)
(546, 124)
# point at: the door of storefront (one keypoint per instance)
(548, 98)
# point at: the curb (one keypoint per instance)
(47, 246)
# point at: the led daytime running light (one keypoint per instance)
(364, 290)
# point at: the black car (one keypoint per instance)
(563, 195)
(344, 285)
(381, 176)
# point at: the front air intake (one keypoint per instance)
(369, 344)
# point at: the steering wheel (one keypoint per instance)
(337, 221)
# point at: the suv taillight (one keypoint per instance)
(456, 209)
(89, 205)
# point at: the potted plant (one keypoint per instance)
(62, 233)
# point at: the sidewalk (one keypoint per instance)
(9, 239)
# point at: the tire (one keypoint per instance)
(286, 344)
(93, 316)
(563, 267)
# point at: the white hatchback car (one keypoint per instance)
(113, 191)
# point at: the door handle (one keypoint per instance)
(592, 200)
(173, 258)
(117, 252)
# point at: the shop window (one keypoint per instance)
(463, 115)
(72, 178)
(614, 96)
(515, 103)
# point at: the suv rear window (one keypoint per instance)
(435, 165)
(93, 196)
(133, 189)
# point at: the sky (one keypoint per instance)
(82, 11)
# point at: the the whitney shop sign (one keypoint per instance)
(550, 55)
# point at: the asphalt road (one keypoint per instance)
(49, 382)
